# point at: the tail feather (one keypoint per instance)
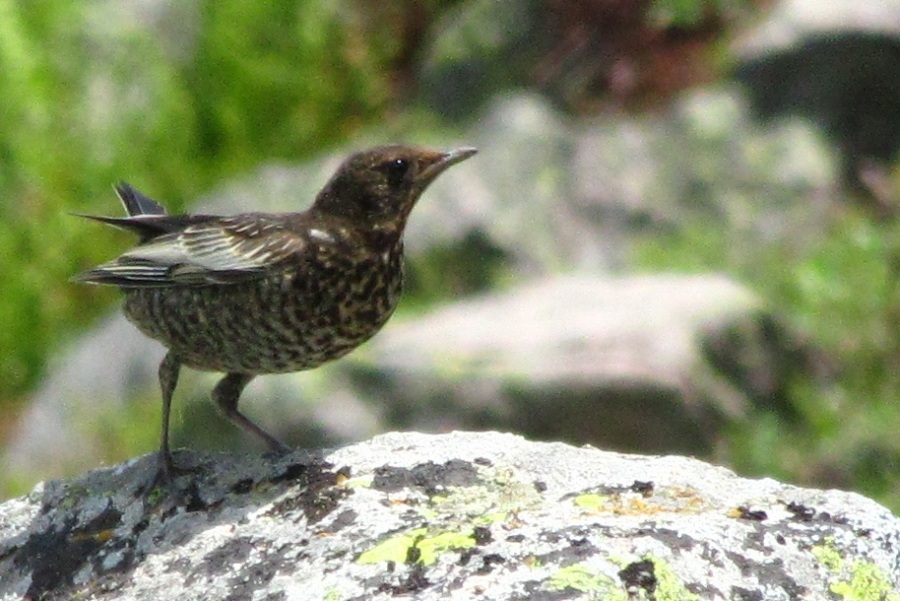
(146, 217)
(146, 227)
(136, 203)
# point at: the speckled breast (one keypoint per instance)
(288, 320)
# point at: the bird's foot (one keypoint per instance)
(277, 449)
(163, 480)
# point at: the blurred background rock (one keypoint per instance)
(680, 234)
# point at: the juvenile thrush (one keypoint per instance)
(262, 293)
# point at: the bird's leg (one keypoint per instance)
(226, 395)
(168, 379)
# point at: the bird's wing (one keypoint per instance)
(225, 250)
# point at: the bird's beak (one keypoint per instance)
(460, 154)
(443, 160)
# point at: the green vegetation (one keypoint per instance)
(842, 293)
(93, 93)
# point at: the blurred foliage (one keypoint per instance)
(586, 56)
(174, 97)
(177, 97)
(843, 295)
(689, 13)
(469, 266)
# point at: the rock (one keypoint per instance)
(835, 64)
(456, 516)
(615, 362)
(844, 82)
(705, 162)
(791, 21)
(99, 378)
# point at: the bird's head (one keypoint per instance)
(380, 186)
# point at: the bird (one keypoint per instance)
(263, 293)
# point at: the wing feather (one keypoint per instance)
(226, 250)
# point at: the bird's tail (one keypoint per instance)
(146, 217)
(135, 203)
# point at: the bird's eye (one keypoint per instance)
(396, 171)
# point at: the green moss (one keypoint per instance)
(829, 557)
(581, 578)
(332, 594)
(591, 501)
(669, 586)
(430, 547)
(867, 582)
(156, 495)
(857, 581)
(395, 548)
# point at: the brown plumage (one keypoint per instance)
(260, 293)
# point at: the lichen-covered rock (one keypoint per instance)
(456, 516)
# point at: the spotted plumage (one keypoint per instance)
(260, 293)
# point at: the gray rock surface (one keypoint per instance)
(789, 21)
(615, 362)
(457, 516)
(836, 64)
